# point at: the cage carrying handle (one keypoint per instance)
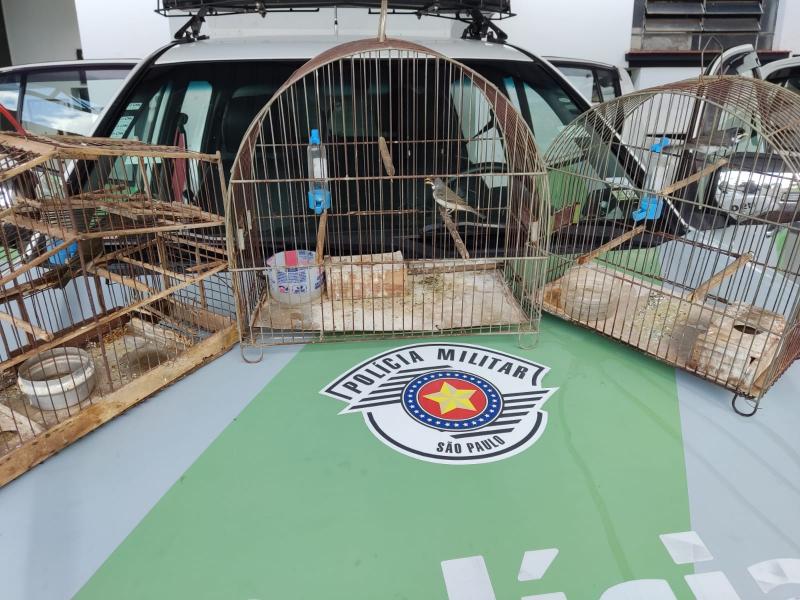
(382, 20)
(710, 39)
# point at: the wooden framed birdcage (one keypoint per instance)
(676, 227)
(113, 262)
(387, 191)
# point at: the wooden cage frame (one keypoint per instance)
(122, 218)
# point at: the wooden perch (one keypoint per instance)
(200, 267)
(189, 242)
(430, 267)
(322, 231)
(155, 268)
(679, 185)
(64, 233)
(51, 229)
(143, 230)
(25, 326)
(617, 241)
(122, 279)
(699, 295)
(127, 250)
(23, 167)
(52, 278)
(451, 227)
(386, 156)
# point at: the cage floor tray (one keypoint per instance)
(649, 318)
(663, 323)
(432, 302)
(125, 353)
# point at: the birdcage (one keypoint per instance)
(387, 191)
(113, 265)
(676, 227)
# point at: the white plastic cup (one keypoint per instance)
(294, 277)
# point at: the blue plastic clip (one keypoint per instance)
(661, 145)
(650, 206)
(319, 200)
(63, 256)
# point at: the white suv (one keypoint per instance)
(208, 91)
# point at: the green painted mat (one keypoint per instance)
(294, 501)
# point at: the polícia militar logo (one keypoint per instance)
(448, 403)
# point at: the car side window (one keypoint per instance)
(9, 97)
(787, 77)
(546, 122)
(583, 80)
(195, 111)
(68, 101)
(477, 123)
(608, 84)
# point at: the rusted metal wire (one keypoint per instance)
(707, 170)
(433, 204)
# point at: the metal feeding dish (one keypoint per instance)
(58, 378)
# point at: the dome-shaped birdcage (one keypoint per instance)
(387, 190)
(676, 226)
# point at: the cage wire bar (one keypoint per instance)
(676, 227)
(432, 204)
(112, 262)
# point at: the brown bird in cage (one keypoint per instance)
(448, 199)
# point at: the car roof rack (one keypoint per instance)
(498, 9)
(479, 14)
(446, 8)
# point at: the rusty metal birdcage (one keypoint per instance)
(676, 227)
(387, 191)
(113, 264)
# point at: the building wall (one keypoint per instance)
(595, 29)
(117, 29)
(787, 28)
(41, 30)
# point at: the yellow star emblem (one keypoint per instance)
(450, 398)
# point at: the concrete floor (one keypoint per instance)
(61, 521)
(744, 478)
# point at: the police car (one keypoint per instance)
(208, 89)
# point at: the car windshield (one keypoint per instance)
(208, 106)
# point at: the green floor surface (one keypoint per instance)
(294, 501)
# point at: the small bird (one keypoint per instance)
(448, 199)
(714, 142)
